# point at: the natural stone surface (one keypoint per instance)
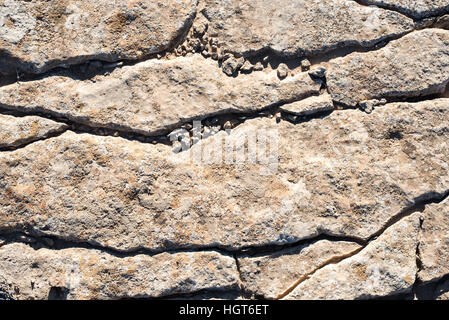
(415, 8)
(310, 105)
(387, 266)
(442, 291)
(93, 274)
(299, 26)
(346, 174)
(412, 66)
(15, 132)
(434, 241)
(321, 170)
(154, 96)
(272, 275)
(38, 35)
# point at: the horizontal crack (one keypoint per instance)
(218, 119)
(73, 64)
(42, 240)
(39, 240)
(267, 56)
(418, 205)
(409, 98)
(406, 12)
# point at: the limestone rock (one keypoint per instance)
(272, 275)
(154, 96)
(369, 105)
(292, 27)
(80, 273)
(15, 132)
(346, 175)
(387, 266)
(402, 69)
(38, 35)
(415, 8)
(282, 71)
(442, 22)
(442, 290)
(306, 179)
(305, 65)
(314, 104)
(434, 239)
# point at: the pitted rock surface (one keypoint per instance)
(205, 149)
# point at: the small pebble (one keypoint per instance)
(258, 66)
(318, 72)
(305, 65)
(282, 71)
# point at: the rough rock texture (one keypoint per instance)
(298, 27)
(15, 132)
(434, 241)
(415, 8)
(387, 266)
(92, 274)
(320, 171)
(347, 174)
(401, 69)
(154, 96)
(309, 106)
(38, 35)
(272, 275)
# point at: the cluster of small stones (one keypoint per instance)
(198, 41)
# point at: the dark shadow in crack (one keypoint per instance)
(432, 290)
(58, 293)
(394, 296)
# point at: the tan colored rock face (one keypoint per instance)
(309, 106)
(38, 35)
(93, 274)
(346, 175)
(272, 275)
(401, 69)
(15, 132)
(414, 8)
(299, 26)
(386, 266)
(154, 96)
(314, 175)
(434, 238)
